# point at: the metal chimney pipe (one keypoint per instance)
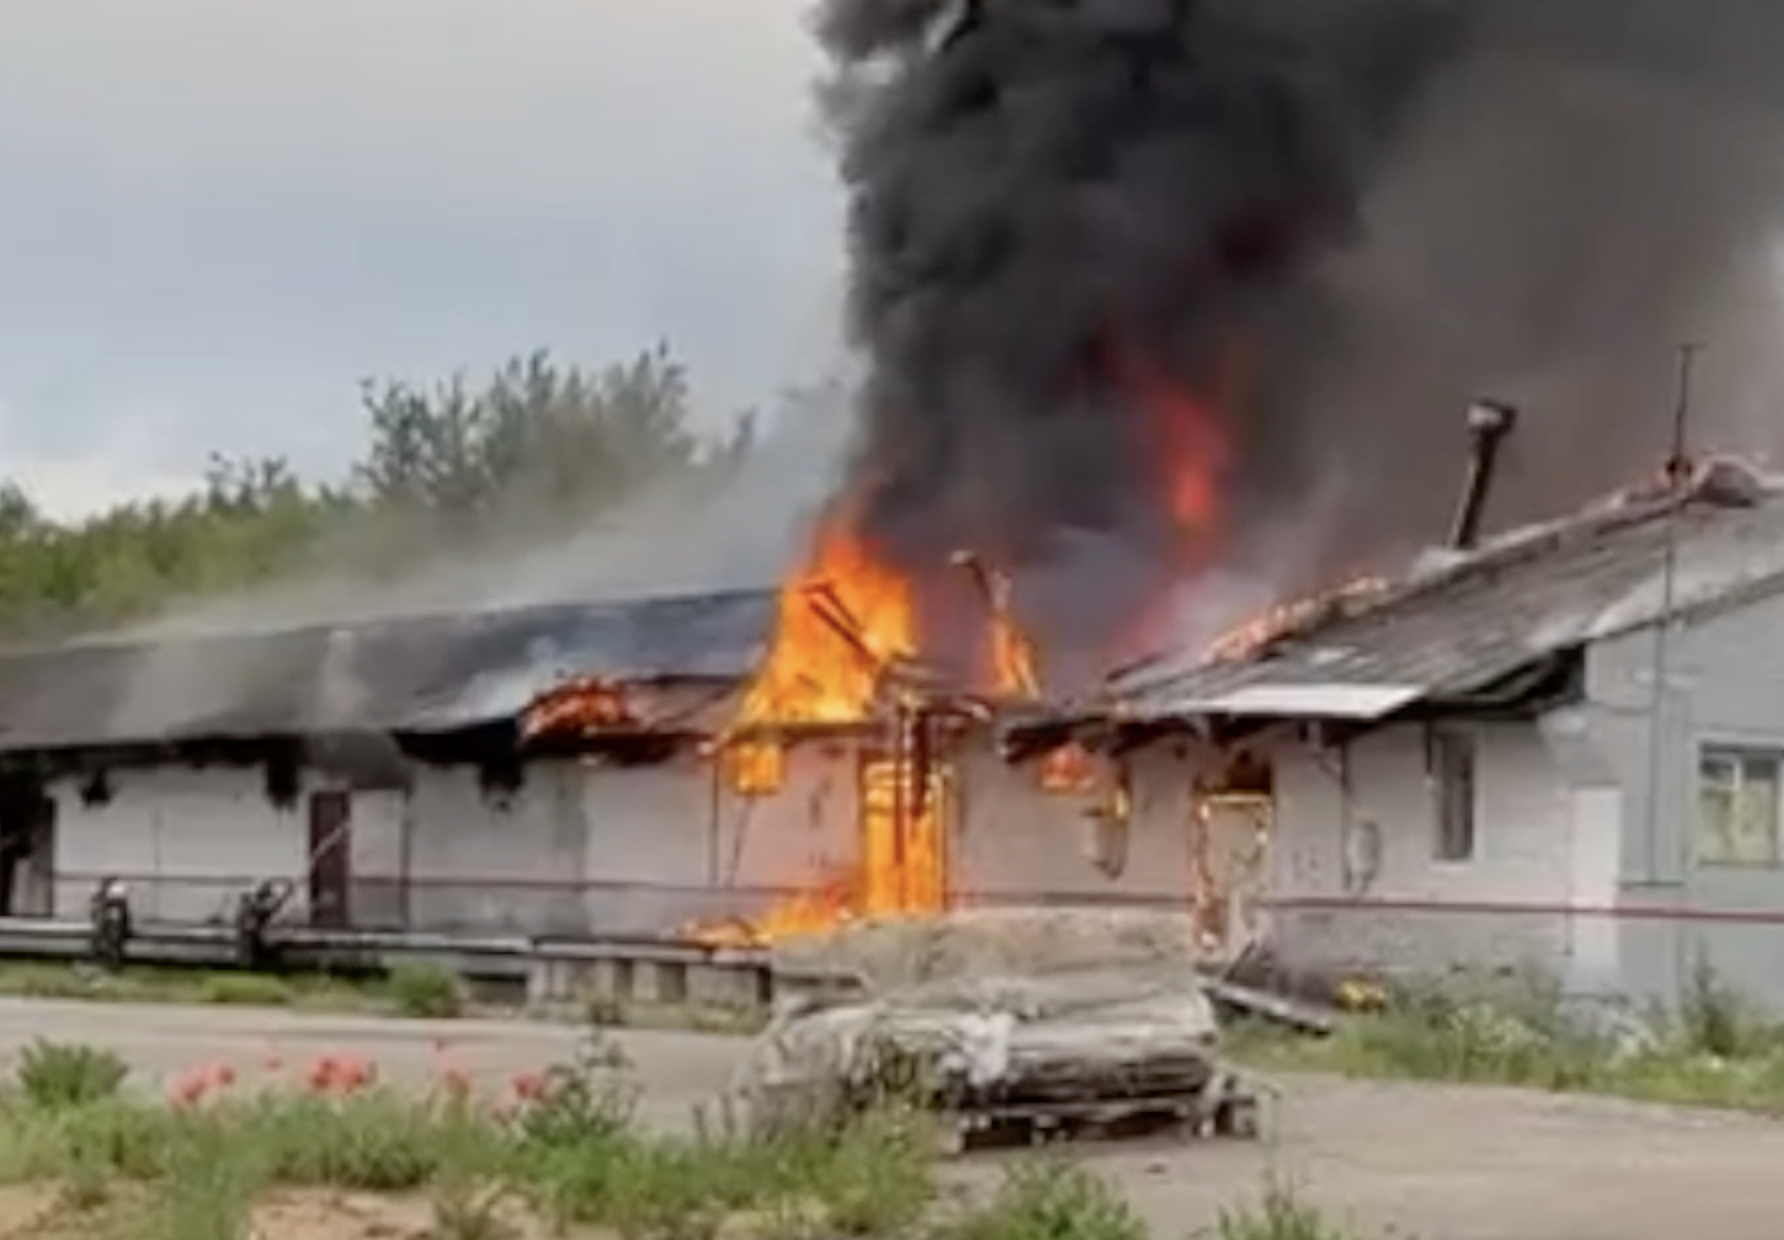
(1489, 422)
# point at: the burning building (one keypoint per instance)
(733, 766)
(1558, 748)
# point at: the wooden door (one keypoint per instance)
(331, 821)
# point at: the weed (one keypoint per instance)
(1056, 1200)
(586, 1102)
(208, 1193)
(1279, 1214)
(376, 1141)
(604, 1012)
(878, 1174)
(59, 1074)
(86, 1183)
(426, 991)
(466, 1210)
(1714, 1050)
(244, 990)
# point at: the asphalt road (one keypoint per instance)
(1436, 1163)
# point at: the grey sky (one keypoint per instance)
(217, 215)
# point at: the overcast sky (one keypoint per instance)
(216, 216)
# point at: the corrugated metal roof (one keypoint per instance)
(427, 674)
(1485, 617)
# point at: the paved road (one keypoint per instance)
(1438, 1163)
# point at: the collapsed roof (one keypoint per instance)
(418, 675)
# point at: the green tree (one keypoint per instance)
(536, 443)
(537, 439)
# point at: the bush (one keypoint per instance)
(427, 991)
(54, 1074)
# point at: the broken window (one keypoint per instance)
(1069, 769)
(1451, 758)
(756, 768)
(1737, 807)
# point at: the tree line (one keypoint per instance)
(533, 448)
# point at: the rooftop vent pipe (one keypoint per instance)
(1489, 422)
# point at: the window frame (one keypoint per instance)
(1452, 757)
(1740, 754)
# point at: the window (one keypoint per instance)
(1737, 807)
(1451, 759)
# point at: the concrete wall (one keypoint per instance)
(605, 849)
(1355, 876)
(768, 848)
(188, 840)
(1017, 844)
(1723, 683)
(497, 861)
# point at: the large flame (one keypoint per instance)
(844, 621)
(1193, 457)
(841, 623)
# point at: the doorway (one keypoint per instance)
(330, 854)
(27, 848)
(1232, 819)
(904, 856)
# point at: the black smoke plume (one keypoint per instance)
(1386, 206)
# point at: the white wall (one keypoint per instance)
(649, 843)
(1018, 844)
(187, 840)
(1503, 907)
(377, 824)
(509, 862)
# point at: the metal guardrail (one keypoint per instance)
(551, 970)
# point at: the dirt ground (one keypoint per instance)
(1435, 1163)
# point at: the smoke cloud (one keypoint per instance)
(1384, 207)
(744, 534)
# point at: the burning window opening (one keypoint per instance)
(584, 707)
(1068, 770)
(755, 768)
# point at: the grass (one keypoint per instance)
(146, 984)
(418, 990)
(1716, 1050)
(560, 1150)
(563, 1144)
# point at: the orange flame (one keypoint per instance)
(584, 706)
(1248, 638)
(1068, 769)
(1194, 456)
(827, 905)
(840, 624)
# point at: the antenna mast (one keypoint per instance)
(1678, 474)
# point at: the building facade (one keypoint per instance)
(1560, 752)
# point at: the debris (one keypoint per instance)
(1010, 1056)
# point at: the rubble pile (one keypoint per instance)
(992, 1053)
